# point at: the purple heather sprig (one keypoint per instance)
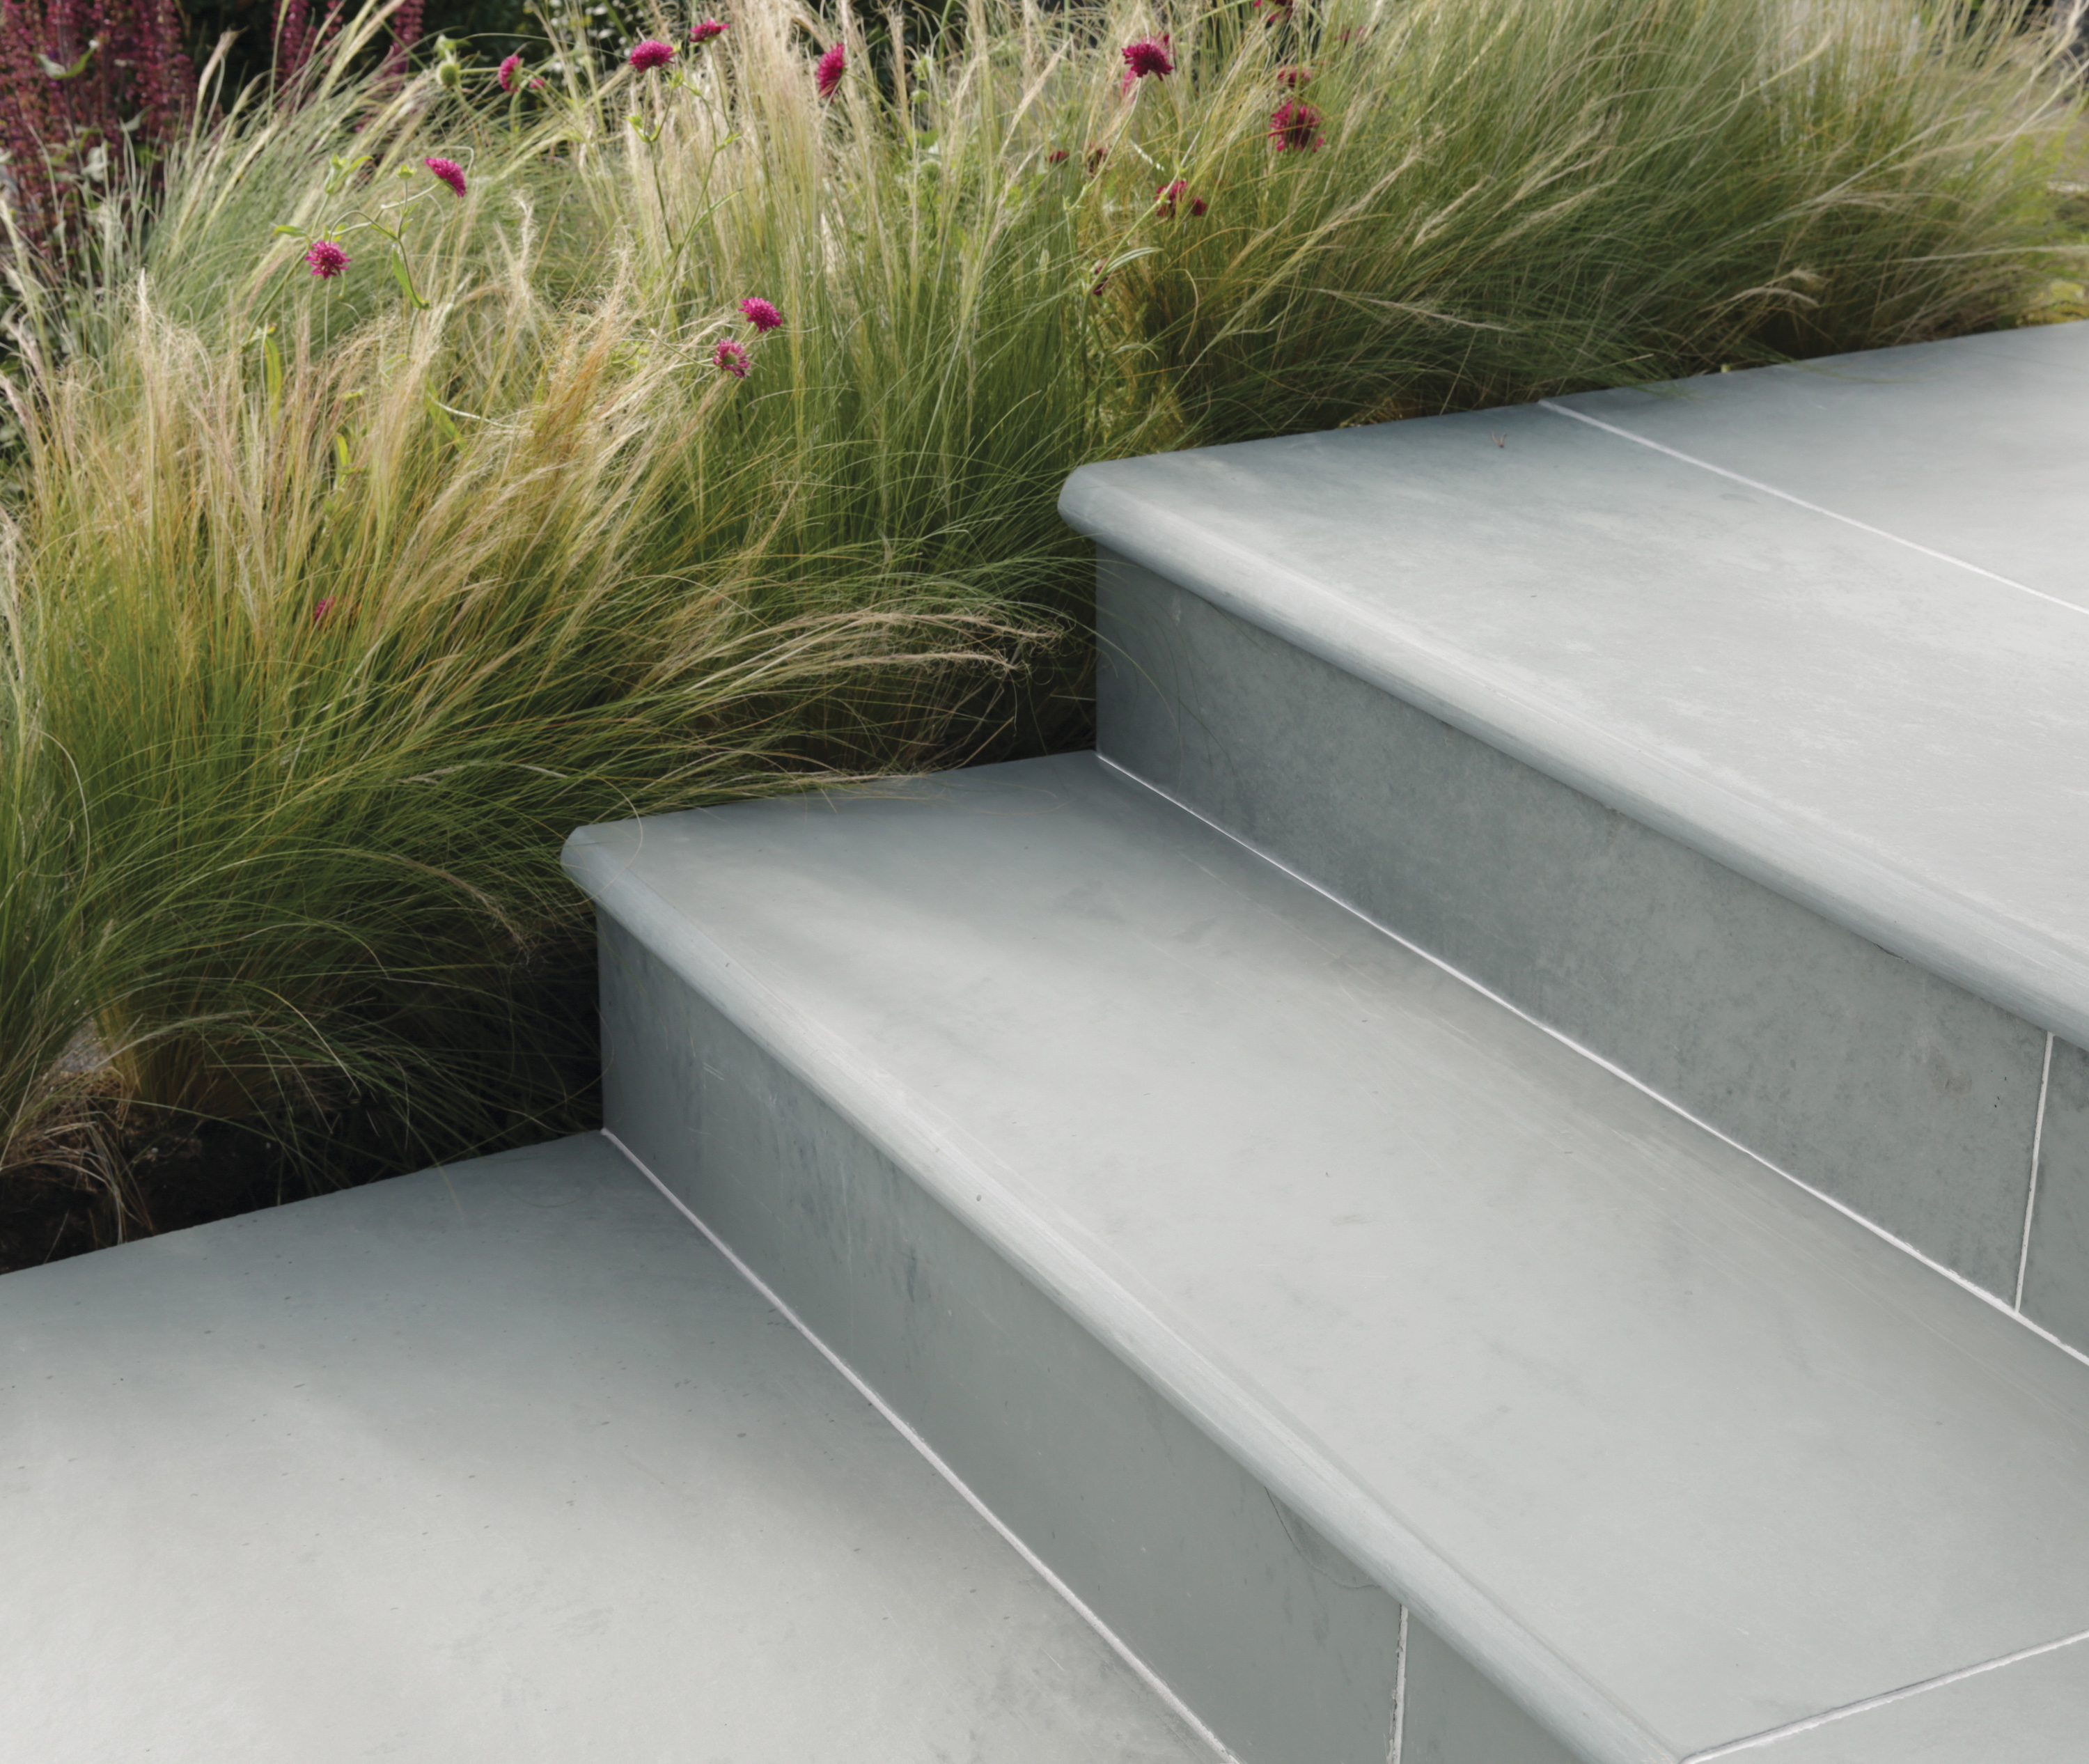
(832, 66)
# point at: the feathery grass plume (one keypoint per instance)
(327, 617)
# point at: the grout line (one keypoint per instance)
(1400, 1695)
(1815, 507)
(2037, 1145)
(1146, 1674)
(1771, 1736)
(1615, 1070)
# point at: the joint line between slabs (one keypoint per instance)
(2037, 1148)
(1813, 508)
(1399, 1695)
(1770, 1737)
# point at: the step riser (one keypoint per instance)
(1901, 1094)
(1283, 1647)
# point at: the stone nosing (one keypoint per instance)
(1807, 1723)
(1146, 1674)
(1993, 1301)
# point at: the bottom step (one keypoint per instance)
(501, 1462)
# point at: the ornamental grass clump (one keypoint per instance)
(427, 478)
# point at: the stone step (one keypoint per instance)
(1392, 1377)
(1736, 732)
(500, 1462)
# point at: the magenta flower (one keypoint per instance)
(1058, 157)
(832, 65)
(320, 611)
(506, 73)
(1169, 195)
(450, 171)
(1096, 157)
(326, 260)
(1292, 78)
(1147, 56)
(1291, 125)
(760, 314)
(704, 31)
(652, 53)
(732, 357)
(1279, 11)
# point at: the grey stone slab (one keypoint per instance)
(1906, 1097)
(1284, 1649)
(1452, 1715)
(1974, 446)
(2034, 1711)
(1888, 738)
(497, 1462)
(2057, 1268)
(1665, 1448)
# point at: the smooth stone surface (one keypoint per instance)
(1973, 446)
(2056, 1271)
(1903, 1097)
(2036, 1711)
(1669, 1450)
(498, 1462)
(1286, 1651)
(1891, 739)
(1455, 1716)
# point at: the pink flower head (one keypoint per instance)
(508, 71)
(1096, 157)
(1279, 11)
(1292, 126)
(1147, 56)
(760, 314)
(1292, 78)
(706, 29)
(450, 171)
(320, 611)
(1058, 157)
(731, 358)
(1169, 195)
(652, 53)
(830, 69)
(326, 260)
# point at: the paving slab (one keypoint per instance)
(1973, 448)
(497, 1462)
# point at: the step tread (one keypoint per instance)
(1674, 1450)
(2034, 1711)
(1888, 736)
(498, 1462)
(1859, 433)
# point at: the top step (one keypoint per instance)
(1827, 625)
